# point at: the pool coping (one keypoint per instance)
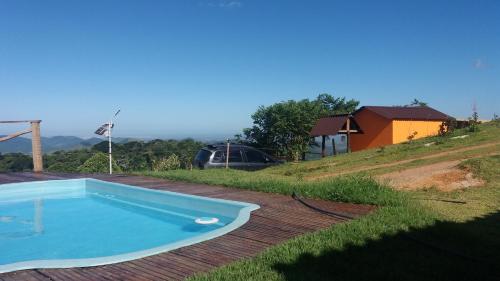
(242, 218)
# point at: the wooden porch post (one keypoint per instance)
(36, 146)
(348, 127)
(323, 146)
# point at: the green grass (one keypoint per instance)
(474, 153)
(311, 256)
(488, 133)
(352, 189)
(479, 201)
(388, 244)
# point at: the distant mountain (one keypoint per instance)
(51, 144)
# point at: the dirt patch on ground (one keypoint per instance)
(401, 162)
(445, 176)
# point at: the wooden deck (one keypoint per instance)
(279, 218)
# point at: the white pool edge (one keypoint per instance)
(243, 217)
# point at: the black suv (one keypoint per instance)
(240, 157)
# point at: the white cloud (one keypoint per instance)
(479, 64)
(225, 4)
(230, 4)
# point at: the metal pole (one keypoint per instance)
(227, 155)
(109, 140)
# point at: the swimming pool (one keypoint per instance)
(88, 222)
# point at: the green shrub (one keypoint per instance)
(15, 162)
(63, 167)
(98, 163)
(165, 164)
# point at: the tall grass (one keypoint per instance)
(352, 189)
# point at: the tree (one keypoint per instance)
(284, 127)
(66, 161)
(417, 102)
(140, 156)
(129, 156)
(474, 121)
(332, 105)
(15, 162)
(98, 163)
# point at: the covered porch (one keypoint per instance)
(342, 124)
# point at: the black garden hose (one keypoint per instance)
(443, 200)
(337, 215)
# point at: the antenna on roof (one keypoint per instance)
(105, 130)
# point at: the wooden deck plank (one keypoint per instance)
(28, 275)
(279, 218)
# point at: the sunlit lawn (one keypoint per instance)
(396, 242)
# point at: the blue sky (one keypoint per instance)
(201, 67)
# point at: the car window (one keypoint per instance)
(234, 156)
(203, 155)
(255, 156)
(219, 157)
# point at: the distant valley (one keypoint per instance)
(51, 144)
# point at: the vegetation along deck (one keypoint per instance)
(279, 218)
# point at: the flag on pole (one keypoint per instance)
(104, 130)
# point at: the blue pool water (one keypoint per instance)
(88, 222)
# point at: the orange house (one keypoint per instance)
(375, 126)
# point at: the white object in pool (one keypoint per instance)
(206, 220)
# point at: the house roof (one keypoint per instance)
(332, 125)
(406, 112)
(328, 126)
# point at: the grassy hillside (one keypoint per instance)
(414, 235)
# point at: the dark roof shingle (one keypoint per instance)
(328, 126)
(407, 113)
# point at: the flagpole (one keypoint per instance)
(110, 125)
(105, 130)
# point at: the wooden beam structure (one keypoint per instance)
(36, 147)
(323, 146)
(15, 135)
(348, 129)
(342, 124)
(36, 144)
(334, 149)
(20, 121)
